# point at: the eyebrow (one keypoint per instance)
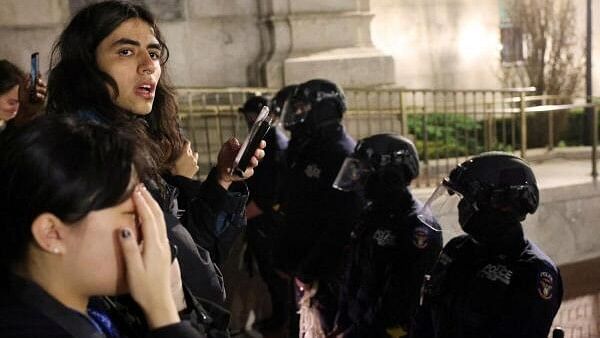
(125, 41)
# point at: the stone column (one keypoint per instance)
(325, 39)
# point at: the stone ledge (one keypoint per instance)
(347, 67)
(324, 32)
(322, 6)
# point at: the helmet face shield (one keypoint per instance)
(352, 175)
(294, 112)
(441, 206)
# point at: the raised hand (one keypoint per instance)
(148, 264)
(225, 162)
(187, 163)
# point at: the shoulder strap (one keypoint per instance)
(206, 316)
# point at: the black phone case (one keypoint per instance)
(263, 128)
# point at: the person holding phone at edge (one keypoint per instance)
(109, 65)
(18, 103)
(77, 226)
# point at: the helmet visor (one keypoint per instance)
(442, 208)
(352, 175)
(294, 112)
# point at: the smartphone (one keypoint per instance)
(258, 131)
(34, 74)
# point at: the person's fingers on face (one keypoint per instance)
(196, 156)
(131, 254)
(145, 215)
(157, 213)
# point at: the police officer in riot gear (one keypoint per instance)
(392, 248)
(491, 282)
(318, 218)
(280, 98)
(262, 212)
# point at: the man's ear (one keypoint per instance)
(48, 233)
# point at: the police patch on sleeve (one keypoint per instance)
(384, 237)
(545, 284)
(312, 171)
(420, 238)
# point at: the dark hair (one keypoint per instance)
(76, 83)
(64, 166)
(10, 76)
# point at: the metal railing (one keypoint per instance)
(447, 126)
(210, 117)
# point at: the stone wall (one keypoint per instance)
(453, 43)
(441, 44)
(220, 43)
(567, 223)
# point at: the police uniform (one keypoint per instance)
(475, 291)
(391, 252)
(318, 218)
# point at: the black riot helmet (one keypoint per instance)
(280, 98)
(380, 164)
(313, 104)
(493, 182)
(252, 108)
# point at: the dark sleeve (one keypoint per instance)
(421, 325)
(407, 266)
(198, 271)
(348, 287)
(213, 216)
(188, 188)
(266, 182)
(400, 296)
(535, 296)
(182, 329)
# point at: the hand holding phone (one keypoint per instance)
(258, 131)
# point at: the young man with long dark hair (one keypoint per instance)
(110, 65)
